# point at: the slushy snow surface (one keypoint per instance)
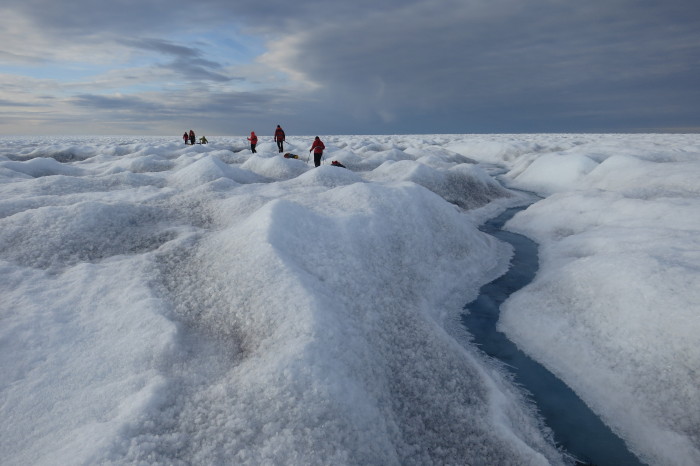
(615, 308)
(171, 304)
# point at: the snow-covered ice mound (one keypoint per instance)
(615, 309)
(196, 305)
(176, 304)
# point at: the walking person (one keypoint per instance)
(317, 147)
(279, 138)
(253, 141)
(185, 137)
(192, 137)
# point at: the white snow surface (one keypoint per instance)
(172, 304)
(615, 308)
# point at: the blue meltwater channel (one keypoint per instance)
(576, 428)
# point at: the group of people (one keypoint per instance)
(191, 138)
(317, 146)
(279, 139)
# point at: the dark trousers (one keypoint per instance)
(317, 158)
(252, 148)
(280, 145)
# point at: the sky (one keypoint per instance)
(221, 67)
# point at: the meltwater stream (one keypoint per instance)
(576, 428)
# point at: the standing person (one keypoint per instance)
(279, 138)
(253, 141)
(192, 137)
(317, 147)
(185, 137)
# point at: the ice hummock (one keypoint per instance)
(615, 308)
(180, 305)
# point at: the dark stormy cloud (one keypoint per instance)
(352, 67)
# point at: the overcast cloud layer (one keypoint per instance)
(401, 66)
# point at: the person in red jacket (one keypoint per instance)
(185, 137)
(192, 137)
(253, 141)
(317, 147)
(279, 138)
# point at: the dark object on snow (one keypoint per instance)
(290, 156)
(335, 163)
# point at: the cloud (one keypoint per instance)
(117, 102)
(166, 48)
(187, 61)
(12, 103)
(443, 66)
(536, 58)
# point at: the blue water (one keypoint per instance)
(576, 428)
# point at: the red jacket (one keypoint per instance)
(279, 134)
(318, 146)
(253, 138)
